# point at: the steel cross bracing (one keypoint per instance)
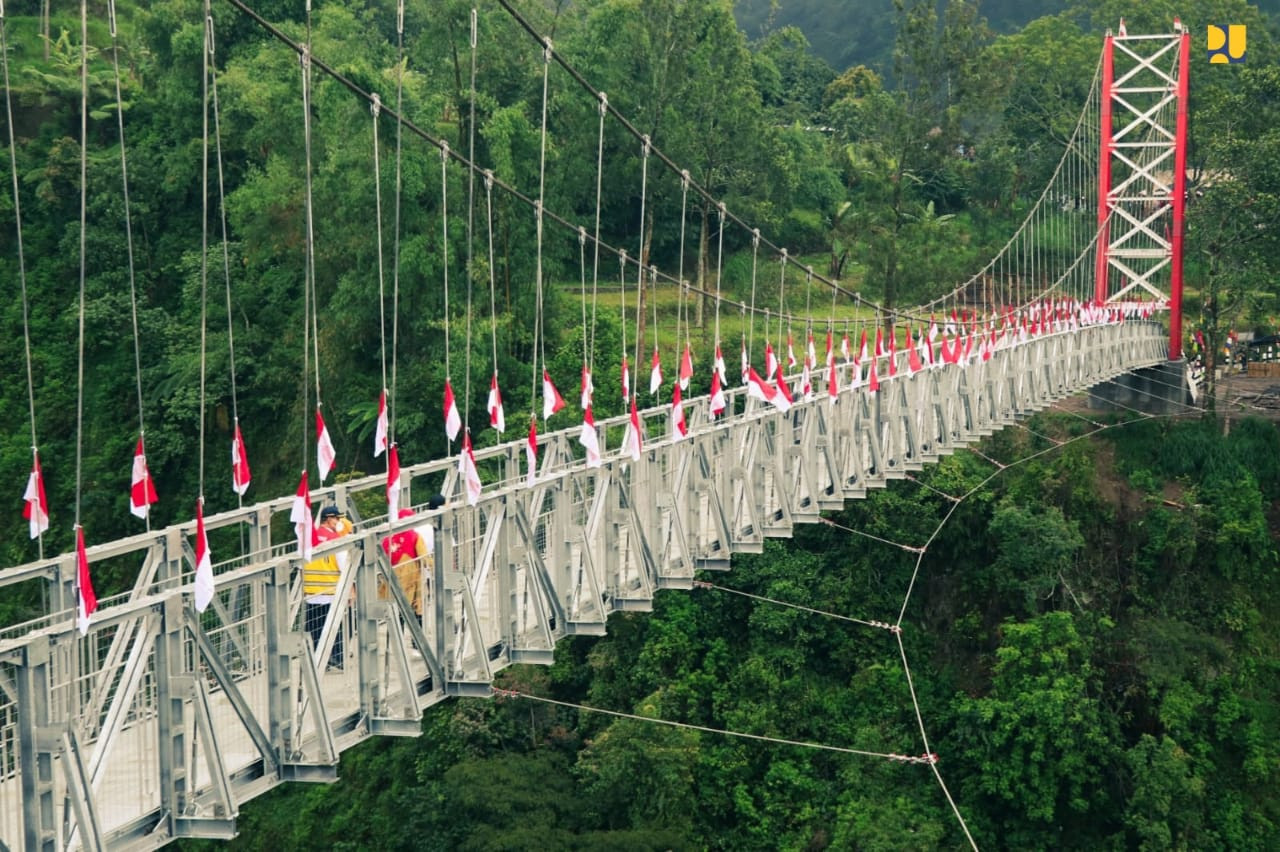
(160, 722)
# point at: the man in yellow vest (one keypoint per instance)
(320, 582)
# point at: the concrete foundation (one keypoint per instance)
(1162, 389)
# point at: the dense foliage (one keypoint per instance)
(1091, 633)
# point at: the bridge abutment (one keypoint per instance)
(1161, 389)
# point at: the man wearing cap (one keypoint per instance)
(320, 582)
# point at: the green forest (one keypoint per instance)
(1090, 630)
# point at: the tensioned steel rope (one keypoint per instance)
(22, 278)
(128, 234)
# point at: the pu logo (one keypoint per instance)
(1226, 44)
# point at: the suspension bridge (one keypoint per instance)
(130, 721)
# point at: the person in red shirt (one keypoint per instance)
(408, 554)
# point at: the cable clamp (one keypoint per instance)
(582, 235)
(755, 236)
(376, 105)
(444, 151)
(304, 56)
(604, 103)
(684, 178)
(504, 693)
(622, 257)
(884, 625)
(646, 146)
(547, 49)
(488, 180)
(702, 584)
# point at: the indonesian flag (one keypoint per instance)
(380, 431)
(944, 350)
(679, 428)
(467, 470)
(551, 399)
(833, 381)
(717, 395)
(758, 388)
(782, 399)
(950, 327)
(857, 377)
(791, 353)
(300, 516)
(531, 451)
(204, 564)
(811, 356)
(655, 372)
(893, 352)
(686, 368)
(1122, 32)
(452, 420)
(770, 361)
(143, 492)
(914, 364)
(933, 328)
(393, 482)
(719, 364)
(325, 454)
(925, 345)
(873, 381)
(631, 440)
(497, 419)
(36, 504)
(588, 388)
(239, 463)
(879, 341)
(806, 382)
(626, 380)
(845, 349)
(831, 352)
(862, 349)
(87, 600)
(589, 439)
(746, 362)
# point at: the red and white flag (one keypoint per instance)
(879, 341)
(87, 601)
(551, 399)
(300, 516)
(381, 429)
(806, 382)
(452, 420)
(1122, 32)
(782, 400)
(35, 504)
(746, 362)
(933, 328)
(811, 355)
(679, 428)
(720, 366)
(952, 323)
(631, 440)
(873, 381)
(497, 419)
(862, 349)
(531, 451)
(239, 463)
(770, 361)
(791, 352)
(588, 388)
(845, 349)
(204, 562)
(626, 380)
(589, 439)
(893, 352)
(686, 368)
(655, 373)
(142, 493)
(325, 455)
(717, 395)
(831, 352)
(914, 364)
(393, 482)
(467, 469)
(758, 388)
(833, 381)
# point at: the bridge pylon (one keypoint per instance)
(1142, 165)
